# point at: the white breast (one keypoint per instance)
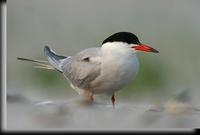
(119, 66)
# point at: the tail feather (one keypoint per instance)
(54, 59)
(40, 63)
(31, 60)
(45, 67)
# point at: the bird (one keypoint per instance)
(105, 69)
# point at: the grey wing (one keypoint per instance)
(83, 68)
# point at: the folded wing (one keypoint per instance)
(83, 68)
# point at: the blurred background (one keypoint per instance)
(69, 26)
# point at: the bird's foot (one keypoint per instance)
(91, 98)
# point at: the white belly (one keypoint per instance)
(118, 69)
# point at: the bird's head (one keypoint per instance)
(131, 41)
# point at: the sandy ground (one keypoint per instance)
(24, 114)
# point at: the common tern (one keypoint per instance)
(104, 69)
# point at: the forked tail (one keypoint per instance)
(54, 61)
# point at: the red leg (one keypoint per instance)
(113, 101)
(92, 98)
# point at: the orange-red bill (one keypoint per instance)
(145, 48)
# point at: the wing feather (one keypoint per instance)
(83, 68)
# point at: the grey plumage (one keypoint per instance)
(54, 59)
(80, 69)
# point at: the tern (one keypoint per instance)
(104, 69)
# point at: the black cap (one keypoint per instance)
(125, 37)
